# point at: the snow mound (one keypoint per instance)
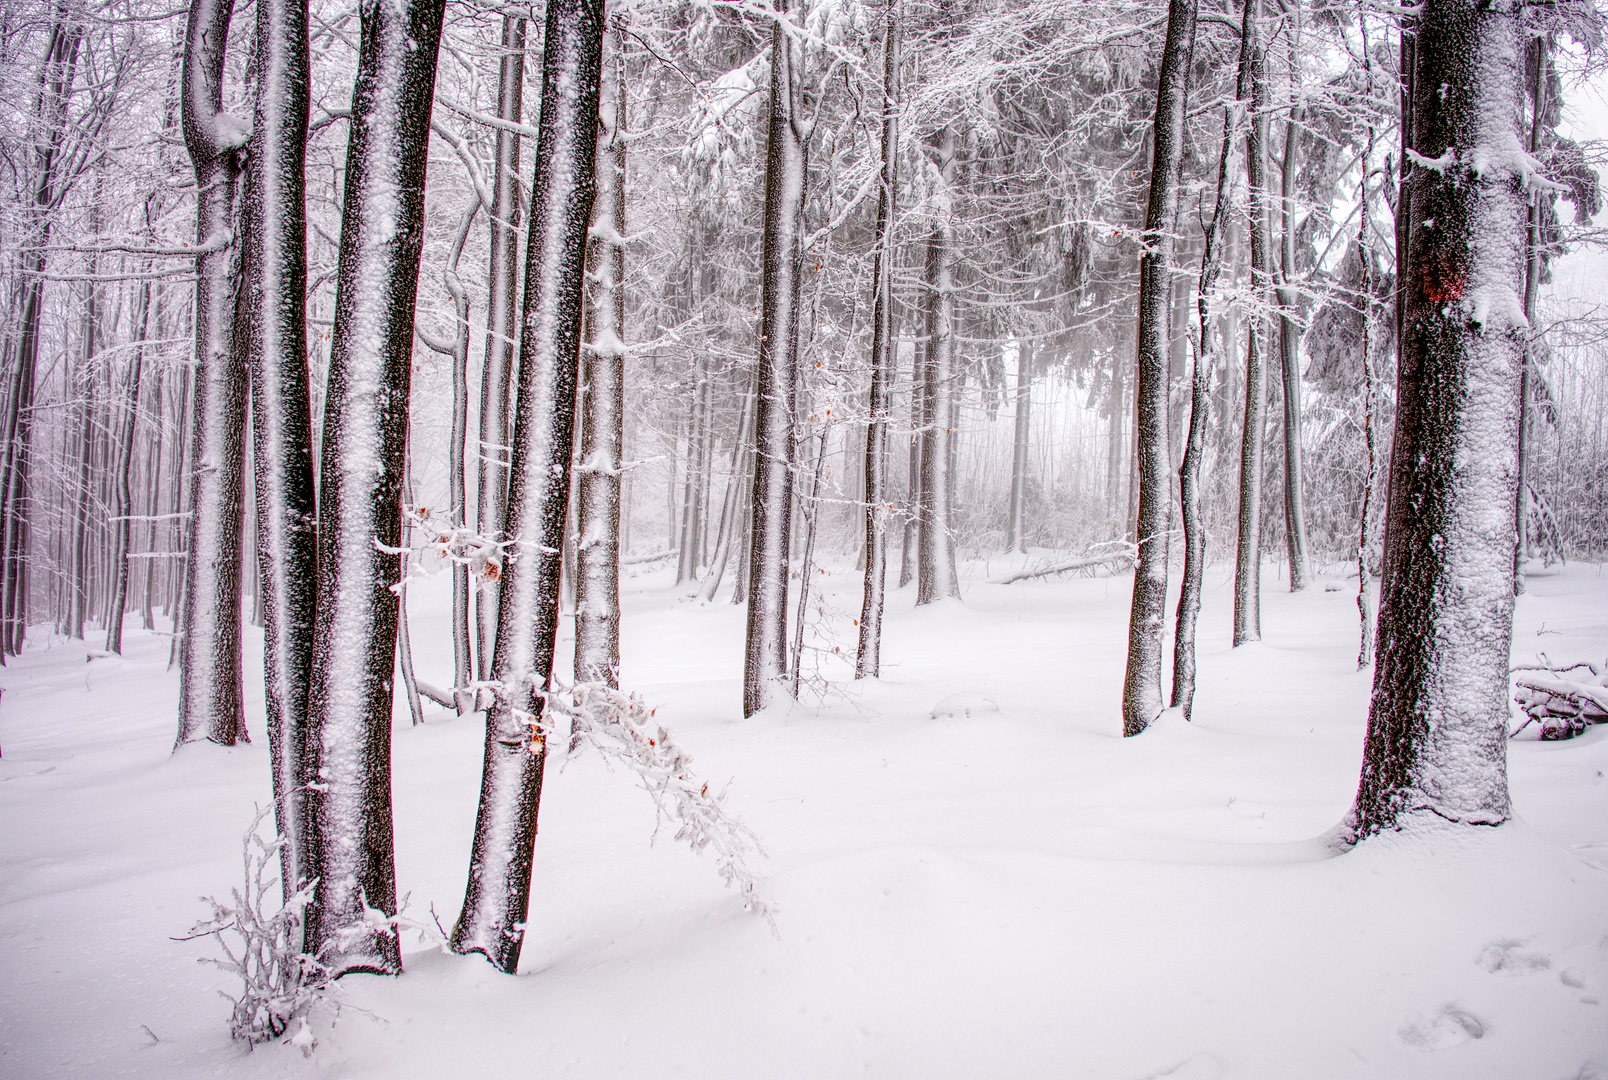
(965, 703)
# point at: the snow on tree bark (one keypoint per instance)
(1141, 691)
(209, 659)
(765, 653)
(868, 657)
(597, 601)
(936, 578)
(493, 918)
(1295, 539)
(272, 341)
(1437, 735)
(360, 491)
(1016, 534)
(501, 329)
(122, 525)
(1248, 553)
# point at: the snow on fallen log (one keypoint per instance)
(1562, 700)
(1120, 559)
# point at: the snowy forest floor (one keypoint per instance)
(1010, 893)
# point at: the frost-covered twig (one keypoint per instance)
(1563, 700)
(281, 985)
(623, 730)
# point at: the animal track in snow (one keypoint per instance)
(1508, 957)
(1449, 1027)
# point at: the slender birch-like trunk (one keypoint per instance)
(878, 507)
(501, 328)
(493, 918)
(1532, 283)
(731, 511)
(936, 578)
(271, 324)
(765, 654)
(210, 704)
(123, 505)
(360, 490)
(1141, 692)
(1016, 533)
(1200, 399)
(918, 412)
(1295, 537)
(1248, 553)
(1436, 747)
(1370, 393)
(597, 599)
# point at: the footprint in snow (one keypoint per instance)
(965, 703)
(1449, 1027)
(1509, 957)
(1199, 1067)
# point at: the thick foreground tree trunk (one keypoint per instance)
(765, 654)
(878, 509)
(1141, 690)
(597, 596)
(209, 659)
(1437, 726)
(360, 492)
(271, 325)
(493, 918)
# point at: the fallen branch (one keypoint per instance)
(1562, 700)
(1123, 559)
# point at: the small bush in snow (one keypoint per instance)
(280, 984)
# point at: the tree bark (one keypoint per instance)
(1141, 691)
(271, 325)
(1016, 538)
(936, 577)
(123, 507)
(501, 330)
(1295, 538)
(868, 655)
(1248, 553)
(1437, 725)
(360, 491)
(493, 919)
(765, 655)
(1188, 618)
(597, 601)
(209, 661)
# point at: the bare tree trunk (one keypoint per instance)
(1436, 747)
(1248, 554)
(732, 509)
(1370, 392)
(501, 329)
(493, 919)
(123, 507)
(1016, 534)
(918, 412)
(1532, 282)
(84, 393)
(360, 491)
(1141, 693)
(936, 578)
(868, 656)
(271, 328)
(1183, 687)
(765, 655)
(812, 521)
(209, 660)
(1290, 360)
(597, 605)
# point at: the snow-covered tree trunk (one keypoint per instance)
(597, 601)
(1437, 725)
(360, 490)
(272, 328)
(501, 325)
(765, 652)
(209, 658)
(493, 919)
(918, 410)
(1248, 553)
(1370, 392)
(1141, 691)
(1532, 287)
(1200, 397)
(1295, 538)
(868, 657)
(936, 577)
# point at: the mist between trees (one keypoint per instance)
(295, 297)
